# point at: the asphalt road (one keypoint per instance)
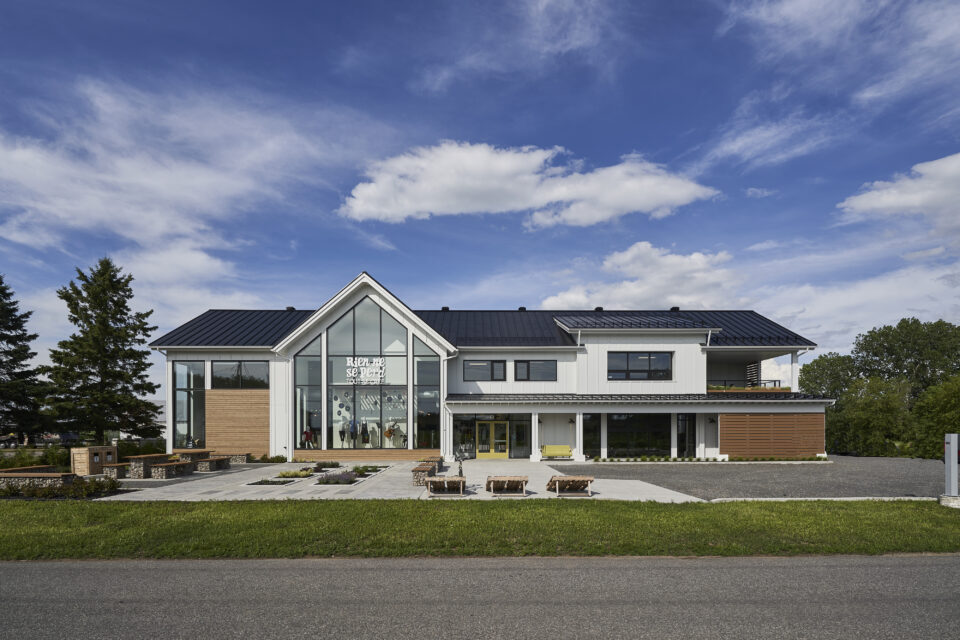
(846, 476)
(808, 597)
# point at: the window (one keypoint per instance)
(480, 370)
(426, 396)
(639, 365)
(535, 370)
(189, 407)
(246, 374)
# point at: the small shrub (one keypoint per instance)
(267, 481)
(295, 474)
(344, 477)
(272, 459)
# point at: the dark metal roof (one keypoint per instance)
(627, 398)
(235, 328)
(248, 328)
(629, 320)
(539, 328)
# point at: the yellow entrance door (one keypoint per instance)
(493, 439)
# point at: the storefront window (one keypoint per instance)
(591, 435)
(468, 437)
(638, 434)
(426, 385)
(189, 400)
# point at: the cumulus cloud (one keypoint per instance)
(456, 178)
(655, 278)
(930, 190)
(528, 37)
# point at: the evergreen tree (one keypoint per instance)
(20, 388)
(99, 374)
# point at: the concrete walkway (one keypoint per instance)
(396, 481)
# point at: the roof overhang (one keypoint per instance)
(210, 347)
(571, 347)
(693, 330)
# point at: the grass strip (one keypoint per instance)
(394, 528)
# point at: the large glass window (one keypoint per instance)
(189, 400)
(426, 389)
(366, 383)
(687, 435)
(481, 370)
(535, 370)
(237, 374)
(467, 438)
(638, 434)
(591, 435)
(639, 365)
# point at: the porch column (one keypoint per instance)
(324, 398)
(673, 435)
(535, 437)
(794, 371)
(603, 435)
(578, 454)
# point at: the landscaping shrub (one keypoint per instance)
(81, 489)
(344, 477)
(272, 459)
(296, 473)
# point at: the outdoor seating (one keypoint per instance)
(169, 470)
(140, 466)
(571, 485)
(117, 470)
(507, 485)
(35, 479)
(556, 451)
(436, 461)
(440, 485)
(236, 458)
(421, 472)
(39, 468)
(212, 464)
(192, 455)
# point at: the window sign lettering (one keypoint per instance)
(365, 370)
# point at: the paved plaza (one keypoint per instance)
(396, 481)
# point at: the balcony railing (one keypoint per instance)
(755, 385)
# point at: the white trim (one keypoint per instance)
(571, 347)
(212, 347)
(753, 347)
(364, 279)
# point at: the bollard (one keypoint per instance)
(950, 497)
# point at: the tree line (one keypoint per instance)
(897, 392)
(97, 377)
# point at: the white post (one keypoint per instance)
(578, 438)
(171, 408)
(673, 435)
(411, 389)
(794, 371)
(324, 398)
(535, 437)
(950, 441)
(603, 435)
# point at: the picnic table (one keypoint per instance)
(192, 455)
(507, 485)
(140, 465)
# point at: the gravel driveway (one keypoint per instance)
(845, 477)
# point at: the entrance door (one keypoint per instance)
(493, 439)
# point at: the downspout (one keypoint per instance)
(709, 335)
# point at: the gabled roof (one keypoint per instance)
(498, 328)
(234, 328)
(629, 320)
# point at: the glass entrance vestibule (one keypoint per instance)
(604, 435)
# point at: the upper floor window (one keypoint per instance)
(480, 370)
(237, 374)
(639, 365)
(539, 370)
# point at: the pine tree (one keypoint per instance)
(19, 386)
(99, 374)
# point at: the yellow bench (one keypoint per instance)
(556, 451)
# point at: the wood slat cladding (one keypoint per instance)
(364, 454)
(765, 435)
(238, 420)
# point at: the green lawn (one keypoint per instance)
(288, 529)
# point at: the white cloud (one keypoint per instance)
(758, 192)
(655, 279)
(529, 38)
(923, 254)
(455, 178)
(766, 245)
(931, 190)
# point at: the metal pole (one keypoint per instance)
(950, 463)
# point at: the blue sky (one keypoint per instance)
(798, 157)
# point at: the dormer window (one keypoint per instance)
(639, 365)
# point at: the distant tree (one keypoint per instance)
(922, 353)
(99, 374)
(828, 375)
(873, 419)
(20, 387)
(936, 413)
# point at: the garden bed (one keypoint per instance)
(271, 481)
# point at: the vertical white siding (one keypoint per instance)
(566, 381)
(689, 363)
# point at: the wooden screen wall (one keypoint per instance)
(238, 421)
(764, 435)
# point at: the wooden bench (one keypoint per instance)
(436, 461)
(571, 485)
(445, 485)
(169, 470)
(236, 458)
(556, 451)
(212, 464)
(35, 479)
(421, 472)
(192, 455)
(38, 468)
(140, 466)
(116, 471)
(507, 485)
